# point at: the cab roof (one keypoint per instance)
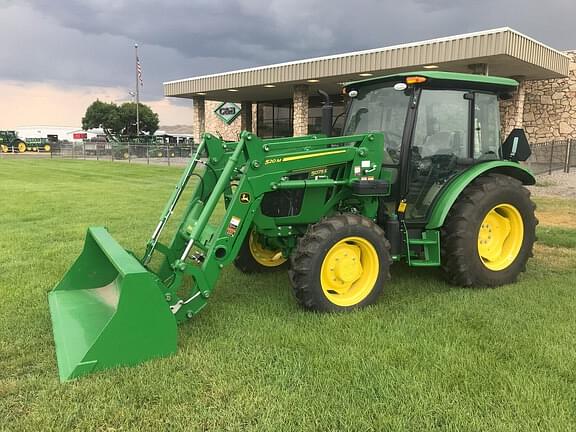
(445, 80)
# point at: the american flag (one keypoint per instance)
(139, 71)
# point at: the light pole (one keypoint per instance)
(137, 92)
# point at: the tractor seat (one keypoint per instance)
(445, 142)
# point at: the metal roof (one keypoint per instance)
(507, 53)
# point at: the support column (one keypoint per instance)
(520, 97)
(255, 118)
(300, 115)
(198, 117)
(246, 116)
(512, 110)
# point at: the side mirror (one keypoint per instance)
(516, 148)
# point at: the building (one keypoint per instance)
(57, 133)
(281, 99)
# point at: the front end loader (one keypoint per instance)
(419, 176)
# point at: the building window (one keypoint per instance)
(275, 119)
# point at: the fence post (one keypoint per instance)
(147, 154)
(129, 160)
(168, 153)
(569, 155)
(551, 155)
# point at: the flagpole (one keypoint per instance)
(137, 94)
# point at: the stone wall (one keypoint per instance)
(198, 117)
(215, 125)
(550, 107)
(300, 110)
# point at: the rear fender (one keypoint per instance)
(454, 188)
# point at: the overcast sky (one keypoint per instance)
(59, 55)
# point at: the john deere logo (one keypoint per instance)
(244, 197)
(227, 112)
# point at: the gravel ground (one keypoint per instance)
(556, 184)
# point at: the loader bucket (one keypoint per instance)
(108, 311)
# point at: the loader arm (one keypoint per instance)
(241, 174)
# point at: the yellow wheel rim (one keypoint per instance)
(21, 147)
(4, 148)
(263, 256)
(349, 271)
(500, 237)
(47, 147)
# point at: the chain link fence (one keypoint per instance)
(547, 157)
(164, 154)
(553, 156)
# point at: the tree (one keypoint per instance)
(148, 118)
(104, 115)
(120, 120)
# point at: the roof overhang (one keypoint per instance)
(506, 53)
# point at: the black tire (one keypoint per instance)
(312, 250)
(461, 260)
(246, 263)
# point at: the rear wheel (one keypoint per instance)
(4, 148)
(254, 257)
(21, 147)
(489, 233)
(341, 263)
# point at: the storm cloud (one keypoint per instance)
(90, 42)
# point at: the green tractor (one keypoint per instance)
(39, 145)
(419, 176)
(10, 143)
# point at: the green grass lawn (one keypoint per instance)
(427, 356)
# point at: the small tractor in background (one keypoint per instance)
(10, 143)
(39, 144)
(419, 176)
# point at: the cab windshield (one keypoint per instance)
(380, 108)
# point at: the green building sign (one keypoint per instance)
(227, 112)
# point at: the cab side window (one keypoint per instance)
(486, 126)
(442, 124)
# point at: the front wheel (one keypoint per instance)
(341, 263)
(255, 257)
(489, 233)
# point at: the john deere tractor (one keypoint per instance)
(419, 176)
(10, 143)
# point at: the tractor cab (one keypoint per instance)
(435, 125)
